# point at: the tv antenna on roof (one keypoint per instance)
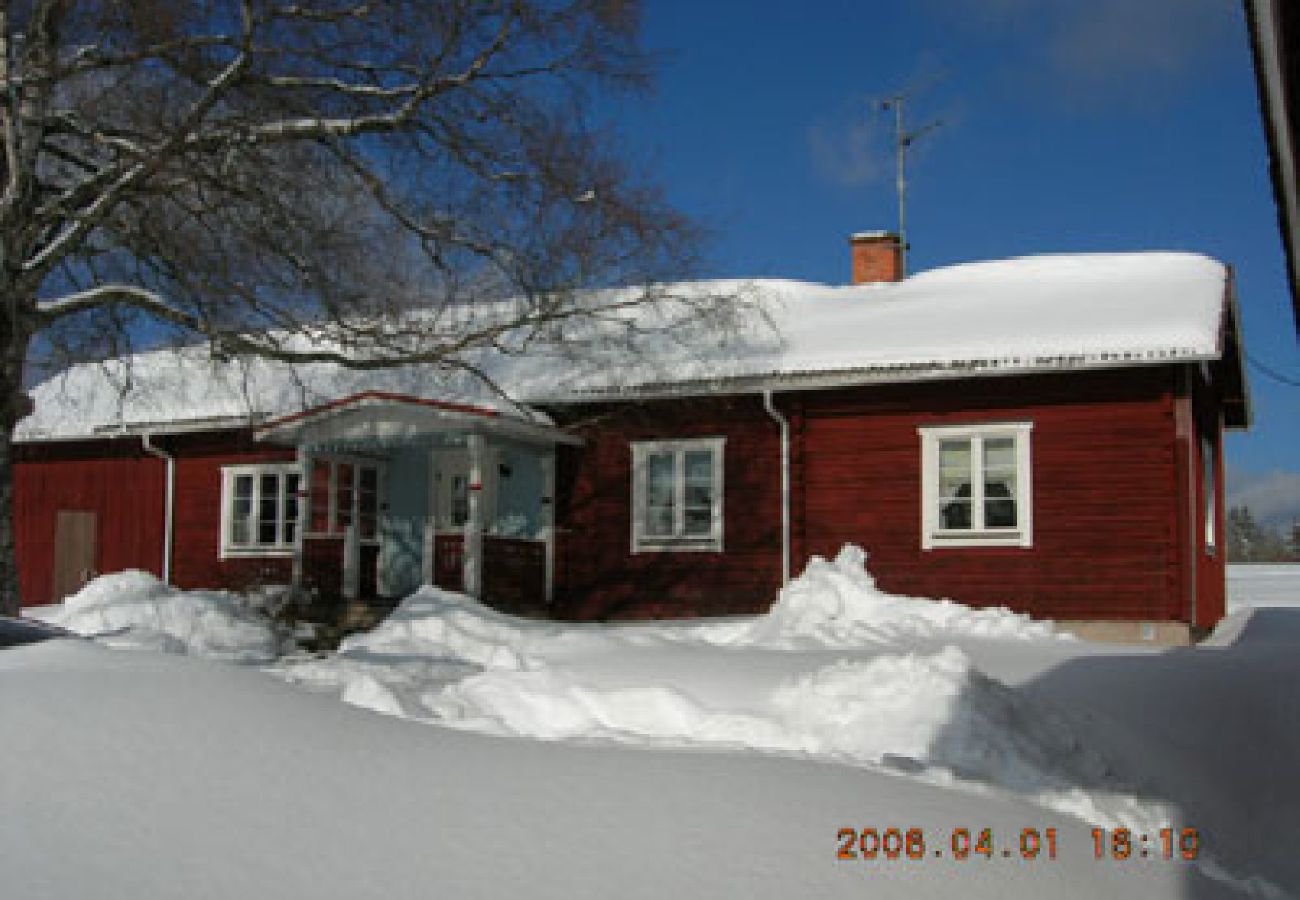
(903, 141)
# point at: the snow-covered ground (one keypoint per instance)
(710, 758)
(1263, 584)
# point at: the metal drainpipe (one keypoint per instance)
(784, 423)
(146, 441)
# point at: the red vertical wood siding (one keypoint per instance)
(115, 480)
(598, 576)
(196, 558)
(1105, 498)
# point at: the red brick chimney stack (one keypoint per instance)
(877, 256)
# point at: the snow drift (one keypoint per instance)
(831, 673)
(837, 603)
(135, 609)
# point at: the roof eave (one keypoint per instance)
(859, 377)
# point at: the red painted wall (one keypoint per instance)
(1105, 495)
(1113, 517)
(125, 488)
(1105, 544)
(597, 575)
(114, 480)
(196, 562)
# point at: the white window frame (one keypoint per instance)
(229, 550)
(1209, 480)
(933, 536)
(678, 541)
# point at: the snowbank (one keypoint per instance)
(952, 712)
(135, 609)
(837, 603)
(831, 673)
(1260, 584)
(145, 777)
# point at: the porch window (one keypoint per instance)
(259, 509)
(343, 492)
(975, 486)
(677, 495)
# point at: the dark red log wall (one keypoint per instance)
(1105, 496)
(1105, 538)
(597, 575)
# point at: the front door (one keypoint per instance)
(450, 490)
(74, 552)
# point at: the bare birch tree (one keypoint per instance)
(285, 177)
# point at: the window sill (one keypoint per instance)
(977, 539)
(255, 552)
(708, 545)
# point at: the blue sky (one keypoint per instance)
(1067, 126)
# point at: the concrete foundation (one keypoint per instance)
(1161, 634)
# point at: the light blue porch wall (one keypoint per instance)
(408, 510)
(519, 507)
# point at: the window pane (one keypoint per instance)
(291, 483)
(320, 496)
(268, 509)
(955, 514)
(954, 456)
(699, 465)
(999, 454)
(699, 478)
(954, 486)
(999, 513)
(955, 471)
(368, 502)
(661, 472)
(241, 512)
(699, 521)
(659, 521)
(459, 505)
(343, 495)
(999, 501)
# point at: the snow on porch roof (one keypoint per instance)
(384, 418)
(1042, 313)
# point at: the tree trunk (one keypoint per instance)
(10, 600)
(13, 406)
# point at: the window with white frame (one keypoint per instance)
(677, 495)
(259, 509)
(344, 491)
(975, 486)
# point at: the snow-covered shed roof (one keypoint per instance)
(1042, 313)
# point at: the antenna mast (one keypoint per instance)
(903, 140)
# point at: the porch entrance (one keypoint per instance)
(424, 492)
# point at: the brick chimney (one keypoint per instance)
(877, 256)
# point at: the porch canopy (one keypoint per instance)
(378, 418)
(429, 489)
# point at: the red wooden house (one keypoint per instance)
(1043, 433)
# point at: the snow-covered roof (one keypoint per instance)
(1042, 313)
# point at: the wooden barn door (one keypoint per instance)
(74, 552)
